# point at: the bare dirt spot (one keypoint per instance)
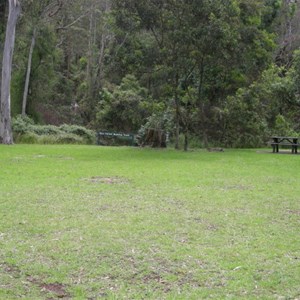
(238, 187)
(152, 277)
(294, 212)
(212, 227)
(10, 269)
(58, 289)
(107, 180)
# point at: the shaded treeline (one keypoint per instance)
(205, 72)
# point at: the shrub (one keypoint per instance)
(22, 124)
(45, 129)
(62, 138)
(69, 138)
(26, 138)
(86, 134)
(25, 131)
(154, 132)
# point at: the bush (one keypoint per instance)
(45, 129)
(62, 138)
(87, 135)
(25, 131)
(26, 138)
(154, 132)
(22, 125)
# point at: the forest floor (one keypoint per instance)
(89, 222)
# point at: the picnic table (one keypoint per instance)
(285, 141)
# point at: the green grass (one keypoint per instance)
(87, 222)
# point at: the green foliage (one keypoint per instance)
(283, 127)
(26, 138)
(262, 109)
(244, 126)
(22, 123)
(87, 134)
(121, 62)
(26, 131)
(197, 58)
(61, 138)
(156, 131)
(125, 108)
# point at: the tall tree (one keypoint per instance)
(40, 12)
(3, 5)
(5, 114)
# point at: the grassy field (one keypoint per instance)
(87, 222)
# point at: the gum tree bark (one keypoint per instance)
(5, 117)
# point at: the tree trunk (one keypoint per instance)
(104, 38)
(177, 112)
(186, 140)
(1, 51)
(3, 15)
(201, 105)
(5, 117)
(91, 54)
(24, 103)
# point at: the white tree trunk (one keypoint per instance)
(25, 94)
(5, 117)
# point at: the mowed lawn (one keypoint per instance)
(88, 222)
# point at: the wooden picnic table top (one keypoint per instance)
(285, 137)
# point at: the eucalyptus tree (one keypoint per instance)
(5, 111)
(2, 31)
(84, 34)
(287, 27)
(37, 15)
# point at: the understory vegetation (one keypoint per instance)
(88, 222)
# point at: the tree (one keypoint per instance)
(2, 31)
(5, 117)
(288, 31)
(125, 108)
(41, 11)
(199, 49)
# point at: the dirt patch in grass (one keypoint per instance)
(294, 212)
(10, 269)
(58, 289)
(59, 157)
(238, 187)
(106, 180)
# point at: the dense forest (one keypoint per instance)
(203, 72)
